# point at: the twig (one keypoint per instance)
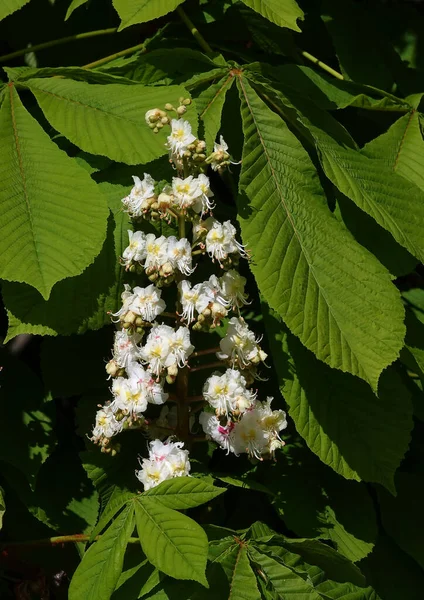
(323, 66)
(204, 352)
(194, 31)
(57, 540)
(64, 40)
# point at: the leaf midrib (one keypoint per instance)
(23, 178)
(289, 216)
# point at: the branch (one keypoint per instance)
(194, 31)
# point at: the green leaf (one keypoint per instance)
(118, 499)
(314, 274)
(241, 577)
(107, 119)
(74, 4)
(374, 238)
(164, 66)
(345, 591)
(98, 573)
(281, 12)
(183, 492)
(7, 7)
(401, 149)
(26, 427)
(132, 12)
(54, 217)
(171, 541)
(286, 582)
(376, 189)
(337, 414)
(402, 516)
(209, 104)
(90, 296)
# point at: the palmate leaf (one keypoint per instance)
(333, 294)
(98, 573)
(7, 7)
(172, 542)
(107, 119)
(140, 11)
(359, 435)
(281, 12)
(53, 217)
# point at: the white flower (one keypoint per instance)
(147, 302)
(157, 348)
(106, 425)
(203, 202)
(249, 435)
(166, 460)
(232, 285)
(189, 297)
(185, 191)
(152, 389)
(219, 156)
(211, 296)
(136, 251)
(130, 395)
(180, 347)
(156, 251)
(126, 297)
(272, 422)
(125, 349)
(180, 137)
(225, 392)
(142, 191)
(179, 254)
(221, 434)
(240, 345)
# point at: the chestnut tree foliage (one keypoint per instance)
(212, 237)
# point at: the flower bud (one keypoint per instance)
(166, 269)
(164, 201)
(218, 311)
(173, 370)
(169, 106)
(165, 120)
(186, 101)
(181, 110)
(139, 322)
(170, 378)
(201, 146)
(129, 317)
(159, 125)
(112, 368)
(139, 330)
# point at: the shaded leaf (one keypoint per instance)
(132, 12)
(7, 7)
(284, 13)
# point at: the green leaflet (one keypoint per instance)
(284, 581)
(309, 269)
(183, 492)
(107, 119)
(90, 296)
(401, 148)
(53, 218)
(98, 573)
(74, 4)
(337, 414)
(7, 7)
(210, 104)
(241, 577)
(172, 542)
(117, 500)
(403, 516)
(284, 13)
(140, 11)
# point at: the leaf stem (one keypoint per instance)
(57, 540)
(323, 66)
(194, 31)
(106, 59)
(64, 40)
